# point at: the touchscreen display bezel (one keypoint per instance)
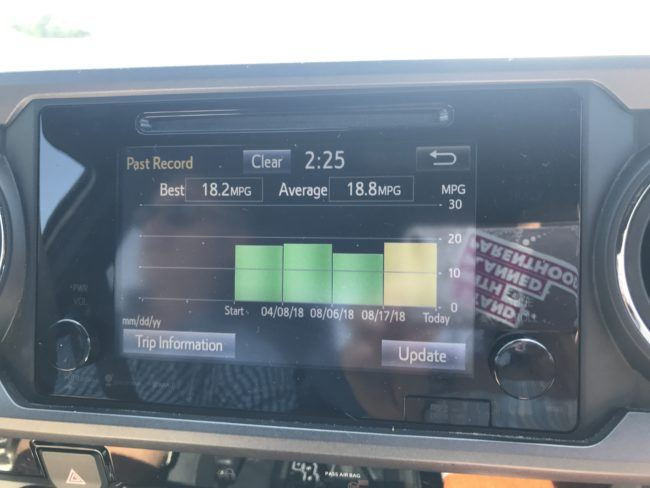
(527, 142)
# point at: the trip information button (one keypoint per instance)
(177, 344)
(424, 355)
(442, 158)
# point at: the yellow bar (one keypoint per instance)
(410, 274)
(410, 290)
(410, 257)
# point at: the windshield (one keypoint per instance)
(75, 34)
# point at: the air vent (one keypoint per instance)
(622, 261)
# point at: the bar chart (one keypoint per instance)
(339, 251)
(405, 274)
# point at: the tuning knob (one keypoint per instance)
(524, 368)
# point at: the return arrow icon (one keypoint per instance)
(443, 158)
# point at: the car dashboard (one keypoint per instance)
(413, 266)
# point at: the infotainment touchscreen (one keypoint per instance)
(407, 254)
(325, 249)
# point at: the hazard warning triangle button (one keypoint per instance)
(74, 468)
(74, 478)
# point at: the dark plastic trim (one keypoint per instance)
(620, 455)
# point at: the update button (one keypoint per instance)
(425, 355)
(267, 161)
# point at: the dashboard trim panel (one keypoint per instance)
(602, 461)
(613, 75)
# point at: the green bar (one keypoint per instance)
(308, 256)
(358, 279)
(307, 286)
(258, 273)
(258, 285)
(358, 262)
(307, 273)
(258, 257)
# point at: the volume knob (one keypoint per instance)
(68, 345)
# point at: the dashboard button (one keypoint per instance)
(423, 355)
(179, 344)
(68, 345)
(524, 368)
(267, 161)
(442, 158)
(67, 469)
